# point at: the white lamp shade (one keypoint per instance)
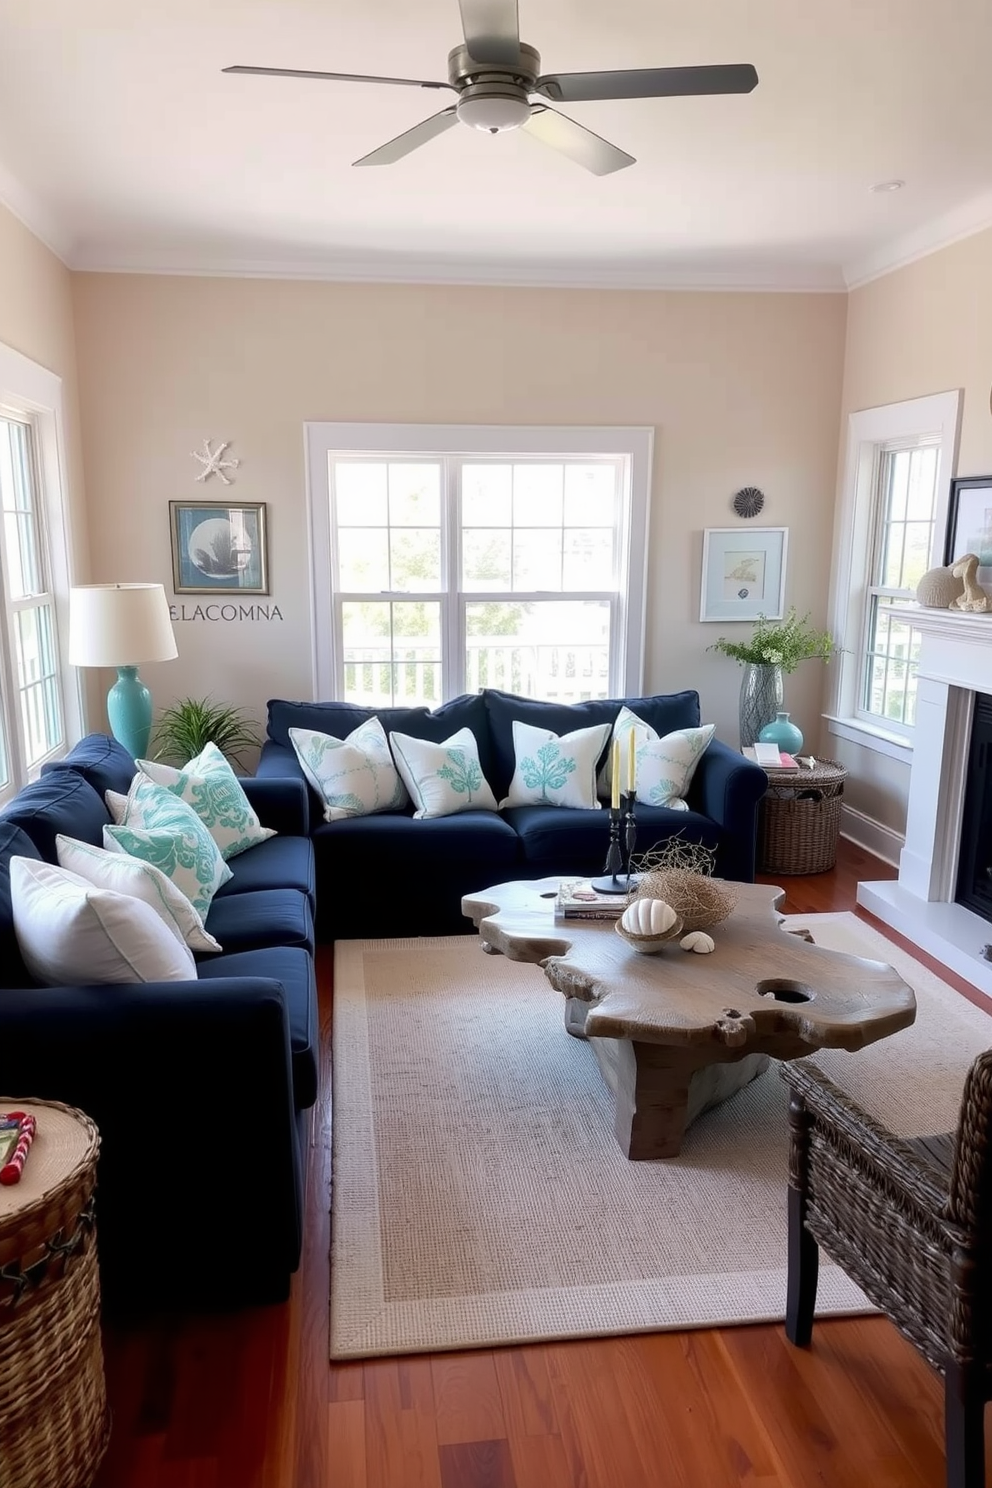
(115, 625)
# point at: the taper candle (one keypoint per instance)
(630, 764)
(615, 797)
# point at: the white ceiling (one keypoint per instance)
(125, 147)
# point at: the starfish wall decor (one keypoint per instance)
(213, 462)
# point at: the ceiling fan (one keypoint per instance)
(494, 73)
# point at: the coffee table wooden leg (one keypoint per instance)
(651, 1086)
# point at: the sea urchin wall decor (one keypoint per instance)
(748, 501)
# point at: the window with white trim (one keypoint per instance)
(36, 709)
(891, 522)
(451, 559)
(905, 505)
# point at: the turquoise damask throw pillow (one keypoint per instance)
(354, 776)
(210, 786)
(162, 829)
(553, 769)
(444, 778)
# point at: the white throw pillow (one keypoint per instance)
(162, 829)
(444, 778)
(353, 776)
(664, 766)
(116, 805)
(210, 786)
(555, 770)
(71, 933)
(126, 875)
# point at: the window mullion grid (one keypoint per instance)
(9, 721)
(453, 681)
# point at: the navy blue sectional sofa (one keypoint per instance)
(200, 1089)
(391, 875)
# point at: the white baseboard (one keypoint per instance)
(871, 835)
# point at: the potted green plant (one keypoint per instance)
(188, 724)
(775, 647)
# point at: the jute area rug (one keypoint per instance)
(480, 1197)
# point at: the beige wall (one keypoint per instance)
(740, 388)
(924, 329)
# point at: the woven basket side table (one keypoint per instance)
(799, 819)
(54, 1421)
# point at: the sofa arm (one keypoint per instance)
(280, 802)
(199, 1184)
(727, 788)
(276, 760)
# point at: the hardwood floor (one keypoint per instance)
(250, 1401)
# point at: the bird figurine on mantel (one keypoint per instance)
(974, 599)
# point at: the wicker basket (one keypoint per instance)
(799, 819)
(54, 1422)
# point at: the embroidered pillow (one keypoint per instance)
(444, 778)
(663, 767)
(354, 776)
(555, 769)
(70, 932)
(124, 875)
(163, 830)
(210, 786)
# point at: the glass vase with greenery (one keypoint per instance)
(776, 646)
(187, 725)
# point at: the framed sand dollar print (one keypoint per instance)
(219, 547)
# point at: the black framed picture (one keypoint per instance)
(219, 547)
(969, 524)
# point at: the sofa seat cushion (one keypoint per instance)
(294, 968)
(13, 844)
(261, 917)
(62, 802)
(664, 713)
(555, 839)
(383, 844)
(102, 762)
(281, 862)
(341, 719)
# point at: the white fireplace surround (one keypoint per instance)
(955, 663)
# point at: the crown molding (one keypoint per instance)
(782, 278)
(31, 212)
(951, 227)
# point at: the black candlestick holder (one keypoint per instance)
(617, 877)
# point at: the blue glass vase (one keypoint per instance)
(783, 733)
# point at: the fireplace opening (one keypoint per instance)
(974, 887)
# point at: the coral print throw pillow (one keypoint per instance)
(445, 778)
(555, 769)
(165, 831)
(663, 766)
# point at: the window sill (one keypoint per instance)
(869, 736)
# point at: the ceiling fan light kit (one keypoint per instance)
(494, 75)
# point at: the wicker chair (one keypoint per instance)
(911, 1222)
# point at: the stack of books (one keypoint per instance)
(770, 757)
(578, 900)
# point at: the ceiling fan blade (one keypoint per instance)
(492, 30)
(412, 139)
(647, 82)
(575, 141)
(334, 77)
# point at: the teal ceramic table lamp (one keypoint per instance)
(122, 625)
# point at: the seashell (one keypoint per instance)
(938, 587)
(698, 941)
(648, 917)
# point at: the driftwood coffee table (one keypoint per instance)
(676, 1033)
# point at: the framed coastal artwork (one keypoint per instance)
(743, 573)
(219, 547)
(969, 524)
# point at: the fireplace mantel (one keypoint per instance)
(955, 663)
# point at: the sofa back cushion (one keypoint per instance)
(60, 802)
(13, 844)
(341, 719)
(664, 713)
(101, 761)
